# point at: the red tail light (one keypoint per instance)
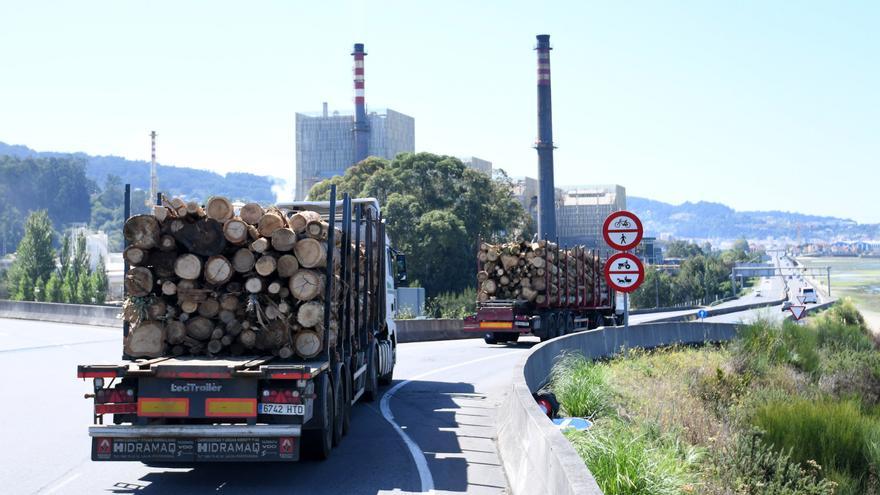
(114, 395)
(281, 396)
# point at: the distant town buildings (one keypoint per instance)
(325, 143)
(475, 163)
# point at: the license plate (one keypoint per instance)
(284, 409)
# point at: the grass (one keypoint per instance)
(784, 409)
(580, 386)
(834, 434)
(635, 463)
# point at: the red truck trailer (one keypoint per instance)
(583, 301)
(188, 409)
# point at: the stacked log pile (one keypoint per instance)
(210, 280)
(539, 272)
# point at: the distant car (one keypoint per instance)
(758, 293)
(786, 305)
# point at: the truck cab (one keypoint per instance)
(809, 295)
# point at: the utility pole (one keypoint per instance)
(154, 177)
(828, 275)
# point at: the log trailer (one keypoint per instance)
(171, 410)
(584, 301)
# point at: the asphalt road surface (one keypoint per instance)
(447, 409)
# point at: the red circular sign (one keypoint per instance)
(622, 230)
(624, 272)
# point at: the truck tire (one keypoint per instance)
(490, 339)
(387, 378)
(371, 388)
(318, 443)
(338, 410)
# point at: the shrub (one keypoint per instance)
(581, 386)
(762, 344)
(836, 434)
(748, 466)
(627, 463)
(455, 305)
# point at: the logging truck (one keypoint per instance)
(541, 289)
(273, 378)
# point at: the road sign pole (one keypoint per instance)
(828, 269)
(626, 310)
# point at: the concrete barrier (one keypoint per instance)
(432, 329)
(82, 314)
(537, 458)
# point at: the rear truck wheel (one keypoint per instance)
(551, 328)
(371, 391)
(318, 442)
(569, 324)
(387, 378)
(338, 410)
(490, 339)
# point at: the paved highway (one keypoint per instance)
(447, 408)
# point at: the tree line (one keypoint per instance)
(703, 275)
(35, 275)
(437, 209)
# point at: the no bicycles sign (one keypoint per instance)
(622, 230)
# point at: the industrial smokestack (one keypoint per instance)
(546, 188)
(361, 126)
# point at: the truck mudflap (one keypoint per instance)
(196, 443)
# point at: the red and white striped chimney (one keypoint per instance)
(361, 125)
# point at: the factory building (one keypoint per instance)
(327, 144)
(582, 211)
(475, 163)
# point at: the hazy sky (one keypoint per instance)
(760, 105)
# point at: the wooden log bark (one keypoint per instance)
(229, 302)
(265, 266)
(317, 229)
(311, 253)
(255, 285)
(300, 220)
(169, 288)
(287, 265)
(199, 328)
(307, 343)
(219, 208)
(209, 308)
(251, 213)
(260, 245)
(146, 340)
(306, 285)
(310, 314)
(218, 270)
(135, 255)
(175, 331)
(203, 237)
(235, 231)
(243, 260)
(142, 231)
(139, 282)
(271, 221)
(167, 243)
(161, 213)
(188, 266)
(156, 310)
(194, 210)
(283, 239)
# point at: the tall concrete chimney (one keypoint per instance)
(361, 125)
(544, 145)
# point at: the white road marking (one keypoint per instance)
(414, 450)
(61, 484)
